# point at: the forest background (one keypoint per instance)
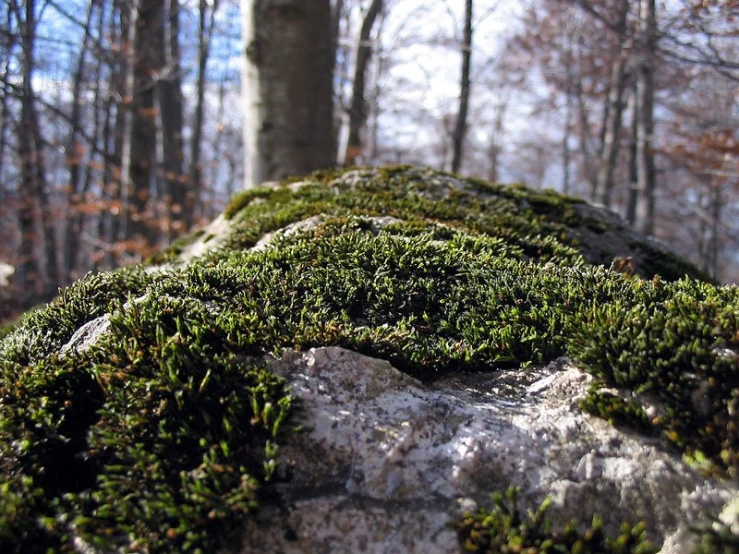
(121, 122)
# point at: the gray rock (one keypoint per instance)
(387, 464)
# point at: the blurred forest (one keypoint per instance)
(121, 121)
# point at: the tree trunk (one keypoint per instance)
(205, 31)
(140, 129)
(460, 128)
(288, 88)
(355, 148)
(178, 193)
(633, 173)
(74, 154)
(34, 210)
(645, 109)
(611, 142)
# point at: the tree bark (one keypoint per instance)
(74, 154)
(645, 109)
(355, 148)
(177, 189)
(612, 124)
(288, 88)
(460, 128)
(633, 198)
(205, 32)
(140, 129)
(34, 210)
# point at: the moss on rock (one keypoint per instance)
(162, 435)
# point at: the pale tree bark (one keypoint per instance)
(460, 127)
(380, 61)
(205, 32)
(355, 148)
(614, 109)
(589, 167)
(645, 110)
(495, 146)
(287, 88)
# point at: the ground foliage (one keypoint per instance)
(504, 529)
(162, 436)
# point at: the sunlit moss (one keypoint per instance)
(163, 435)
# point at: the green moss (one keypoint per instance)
(503, 529)
(162, 436)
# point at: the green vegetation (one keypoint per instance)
(163, 435)
(504, 530)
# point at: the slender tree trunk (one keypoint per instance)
(714, 244)
(34, 210)
(140, 141)
(205, 32)
(645, 109)
(375, 107)
(178, 193)
(585, 137)
(5, 92)
(566, 149)
(633, 173)
(612, 123)
(288, 88)
(75, 219)
(355, 148)
(460, 128)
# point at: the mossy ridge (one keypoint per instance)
(405, 192)
(442, 298)
(503, 529)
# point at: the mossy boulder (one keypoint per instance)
(228, 383)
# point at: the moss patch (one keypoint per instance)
(163, 436)
(503, 529)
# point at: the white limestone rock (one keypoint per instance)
(386, 464)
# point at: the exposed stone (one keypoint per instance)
(386, 461)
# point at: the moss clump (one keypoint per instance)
(680, 344)
(162, 435)
(503, 529)
(157, 439)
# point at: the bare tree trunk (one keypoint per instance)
(5, 115)
(633, 173)
(375, 106)
(590, 168)
(34, 210)
(178, 193)
(355, 148)
(75, 219)
(566, 150)
(612, 123)
(496, 140)
(288, 88)
(460, 128)
(714, 243)
(140, 142)
(205, 32)
(645, 109)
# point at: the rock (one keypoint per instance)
(435, 340)
(386, 460)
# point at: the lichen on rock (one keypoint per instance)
(438, 339)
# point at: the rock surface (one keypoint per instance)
(388, 464)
